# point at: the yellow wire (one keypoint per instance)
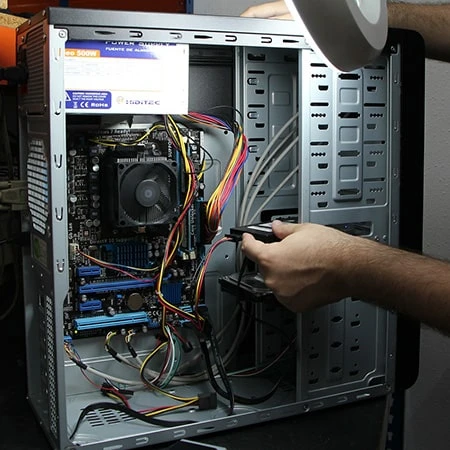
(171, 408)
(156, 388)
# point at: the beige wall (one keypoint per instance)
(3, 4)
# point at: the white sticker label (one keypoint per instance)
(126, 77)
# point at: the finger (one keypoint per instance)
(283, 229)
(251, 247)
(266, 10)
(282, 17)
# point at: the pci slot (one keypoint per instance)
(119, 320)
(89, 271)
(90, 305)
(111, 286)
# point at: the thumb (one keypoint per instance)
(251, 247)
(283, 229)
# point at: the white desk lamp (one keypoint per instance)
(349, 33)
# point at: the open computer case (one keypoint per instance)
(145, 139)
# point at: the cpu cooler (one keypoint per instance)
(144, 192)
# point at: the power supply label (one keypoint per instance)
(126, 77)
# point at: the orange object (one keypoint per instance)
(8, 47)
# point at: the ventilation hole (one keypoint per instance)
(371, 88)
(315, 330)
(319, 143)
(349, 76)
(370, 201)
(256, 72)
(337, 319)
(348, 192)
(317, 193)
(336, 344)
(323, 87)
(318, 115)
(316, 64)
(259, 91)
(349, 115)
(371, 163)
(322, 127)
(313, 381)
(355, 323)
(317, 154)
(260, 125)
(355, 348)
(320, 104)
(353, 373)
(323, 166)
(202, 36)
(371, 126)
(319, 182)
(256, 57)
(322, 204)
(313, 356)
(348, 153)
(336, 369)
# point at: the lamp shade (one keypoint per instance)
(349, 33)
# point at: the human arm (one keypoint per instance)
(314, 265)
(270, 10)
(431, 21)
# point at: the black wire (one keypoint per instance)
(228, 393)
(227, 107)
(130, 412)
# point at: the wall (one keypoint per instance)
(428, 401)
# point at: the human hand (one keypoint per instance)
(271, 10)
(309, 267)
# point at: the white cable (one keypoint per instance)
(113, 378)
(262, 161)
(275, 192)
(266, 175)
(261, 164)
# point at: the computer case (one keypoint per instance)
(144, 324)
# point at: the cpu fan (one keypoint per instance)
(146, 192)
